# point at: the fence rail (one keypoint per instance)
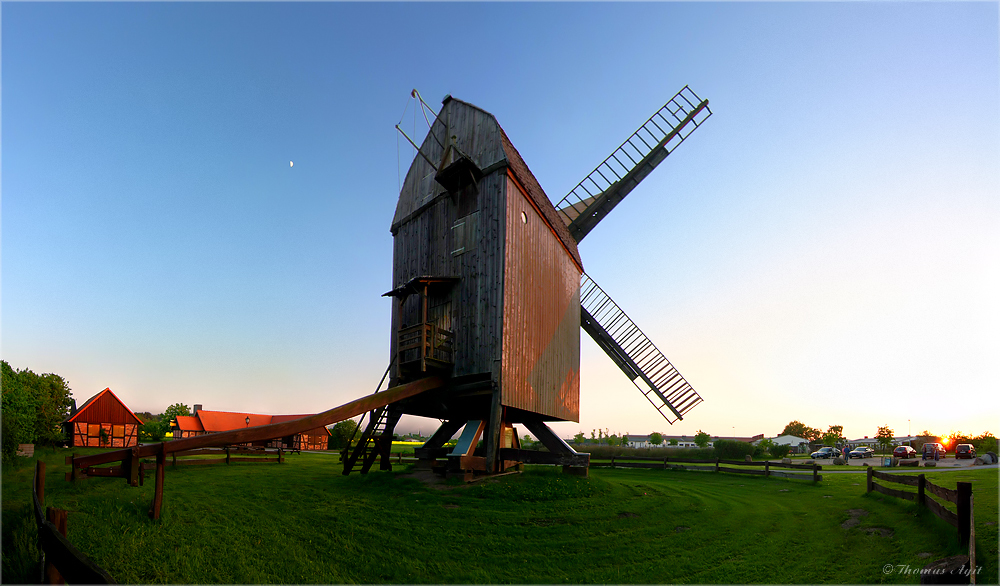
(61, 561)
(960, 496)
(717, 465)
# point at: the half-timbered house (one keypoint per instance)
(104, 421)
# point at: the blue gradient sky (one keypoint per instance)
(823, 249)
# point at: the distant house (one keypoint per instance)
(682, 441)
(797, 444)
(214, 421)
(104, 421)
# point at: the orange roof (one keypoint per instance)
(189, 423)
(213, 421)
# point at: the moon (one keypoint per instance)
(291, 164)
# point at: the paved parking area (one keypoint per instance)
(944, 464)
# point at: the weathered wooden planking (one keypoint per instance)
(940, 511)
(910, 496)
(897, 478)
(741, 471)
(794, 475)
(947, 494)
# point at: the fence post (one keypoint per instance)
(134, 465)
(869, 483)
(58, 518)
(281, 455)
(921, 482)
(612, 461)
(161, 460)
(716, 464)
(964, 511)
(972, 541)
(227, 455)
(815, 478)
(40, 481)
(767, 468)
(72, 469)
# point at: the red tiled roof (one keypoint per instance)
(213, 421)
(189, 423)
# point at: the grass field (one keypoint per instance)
(303, 522)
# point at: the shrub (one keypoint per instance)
(780, 450)
(732, 449)
(606, 452)
(984, 443)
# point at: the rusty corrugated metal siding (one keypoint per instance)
(541, 318)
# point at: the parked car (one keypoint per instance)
(825, 452)
(903, 452)
(862, 452)
(965, 451)
(933, 451)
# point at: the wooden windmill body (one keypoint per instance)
(490, 294)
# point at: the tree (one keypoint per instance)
(673, 442)
(834, 436)
(799, 429)
(701, 439)
(173, 411)
(884, 438)
(153, 430)
(578, 438)
(17, 412)
(34, 407)
(341, 434)
(655, 438)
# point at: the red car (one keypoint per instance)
(903, 452)
(965, 451)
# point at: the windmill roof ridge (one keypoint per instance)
(519, 167)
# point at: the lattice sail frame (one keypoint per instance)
(636, 355)
(632, 161)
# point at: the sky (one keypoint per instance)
(823, 249)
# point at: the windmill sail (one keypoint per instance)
(640, 360)
(608, 184)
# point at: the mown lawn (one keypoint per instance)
(303, 522)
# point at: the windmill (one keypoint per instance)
(489, 293)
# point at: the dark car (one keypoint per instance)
(965, 451)
(825, 452)
(932, 451)
(904, 452)
(862, 452)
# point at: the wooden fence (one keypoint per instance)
(229, 454)
(961, 496)
(61, 561)
(715, 465)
